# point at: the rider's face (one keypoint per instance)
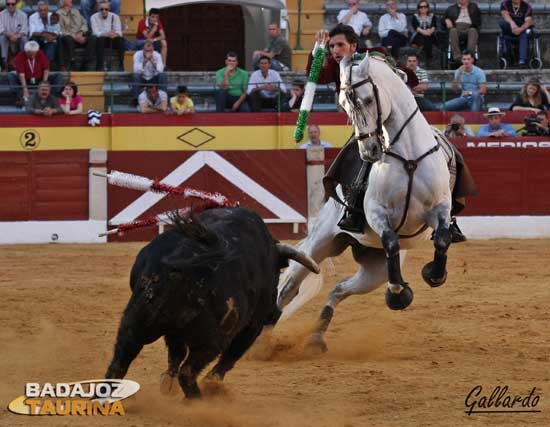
(340, 47)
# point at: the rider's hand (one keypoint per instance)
(322, 37)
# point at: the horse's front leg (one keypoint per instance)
(398, 294)
(434, 273)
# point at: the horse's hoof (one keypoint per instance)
(427, 275)
(166, 383)
(316, 344)
(401, 300)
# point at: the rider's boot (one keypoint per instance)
(456, 234)
(354, 219)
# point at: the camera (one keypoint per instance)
(531, 128)
(455, 126)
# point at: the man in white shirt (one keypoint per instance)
(108, 30)
(14, 28)
(358, 20)
(38, 26)
(148, 68)
(314, 134)
(265, 87)
(392, 29)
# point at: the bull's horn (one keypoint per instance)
(296, 255)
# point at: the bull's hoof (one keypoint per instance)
(316, 344)
(428, 276)
(212, 385)
(401, 300)
(166, 383)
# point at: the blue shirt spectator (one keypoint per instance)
(470, 80)
(495, 128)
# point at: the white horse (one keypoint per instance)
(407, 196)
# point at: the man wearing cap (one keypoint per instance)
(495, 128)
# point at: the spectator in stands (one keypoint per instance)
(470, 80)
(278, 50)
(424, 25)
(89, 7)
(182, 103)
(108, 30)
(517, 20)
(463, 18)
(151, 29)
(13, 31)
(70, 101)
(495, 128)
(74, 32)
(294, 101)
(392, 29)
(458, 128)
(543, 126)
(153, 100)
(39, 26)
(419, 90)
(358, 20)
(232, 84)
(31, 68)
(533, 97)
(314, 133)
(265, 88)
(148, 68)
(42, 103)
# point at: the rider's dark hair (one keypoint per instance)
(347, 31)
(154, 11)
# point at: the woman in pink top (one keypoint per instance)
(71, 101)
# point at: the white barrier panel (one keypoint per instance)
(52, 232)
(505, 227)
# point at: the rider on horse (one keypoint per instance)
(343, 42)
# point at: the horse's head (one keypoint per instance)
(366, 105)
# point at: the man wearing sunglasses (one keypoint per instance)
(13, 31)
(74, 32)
(108, 30)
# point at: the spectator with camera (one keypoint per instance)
(536, 125)
(533, 97)
(495, 128)
(458, 128)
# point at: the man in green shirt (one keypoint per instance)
(232, 83)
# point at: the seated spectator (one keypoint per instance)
(153, 100)
(265, 88)
(74, 32)
(70, 101)
(470, 80)
(458, 128)
(42, 103)
(294, 102)
(89, 7)
(517, 20)
(108, 30)
(392, 29)
(278, 50)
(358, 20)
(419, 90)
(13, 31)
(314, 133)
(151, 29)
(40, 25)
(543, 126)
(533, 97)
(181, 103)
(462, 18)
(232, 83)
(424, 25)
(148, 68)
(495, 128)
(31, 68)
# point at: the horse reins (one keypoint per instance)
(409, 165)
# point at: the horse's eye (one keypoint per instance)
(368, 100)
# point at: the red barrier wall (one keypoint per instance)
(42, 186)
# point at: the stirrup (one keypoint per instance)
(354, 222)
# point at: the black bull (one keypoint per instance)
(209, 287)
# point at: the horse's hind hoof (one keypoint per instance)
(427, 275)
(166, 383)
(316, 344)
(401, 300)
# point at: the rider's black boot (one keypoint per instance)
(353, 220)
(456, 234)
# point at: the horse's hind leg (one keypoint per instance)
(370, 276)
(434, 273)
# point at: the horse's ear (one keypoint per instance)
(364, 65)
(402, 74)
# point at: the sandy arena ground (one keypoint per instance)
(489, 325)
